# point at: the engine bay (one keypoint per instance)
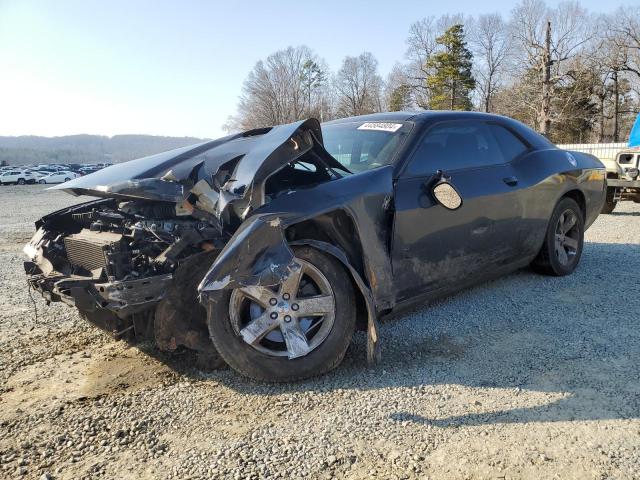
(121, 241)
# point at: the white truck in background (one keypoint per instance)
(622, 161)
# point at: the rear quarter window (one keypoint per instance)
(510, 145)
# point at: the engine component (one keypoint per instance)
(87, 249)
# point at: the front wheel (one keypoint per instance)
(562, 247)
(295, 330)
(610, 202)
(21, 181)
(42, 182)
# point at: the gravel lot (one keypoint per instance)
(524, 377)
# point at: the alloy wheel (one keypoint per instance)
(289, 320)
(567, 237)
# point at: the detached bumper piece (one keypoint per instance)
(123, 298)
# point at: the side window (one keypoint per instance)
(455, 145)
(510, 145)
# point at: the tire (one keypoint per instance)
(609, 203)
(67, 179)
(42, 182)
(550, 259)
(260, 362)
(21, 181)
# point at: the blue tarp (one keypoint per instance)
(634, 136)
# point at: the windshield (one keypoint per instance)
(361, 146)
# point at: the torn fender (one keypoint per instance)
(373, 346)
(272, 266)
(259, 252)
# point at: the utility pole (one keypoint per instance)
(544, 115)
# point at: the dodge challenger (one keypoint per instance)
(268, 249)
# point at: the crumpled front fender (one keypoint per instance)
(238, 265)
(259, 253)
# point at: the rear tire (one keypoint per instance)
(562, 247)
(21, 181)
(259, 363)
(609, 203)
(42, 182)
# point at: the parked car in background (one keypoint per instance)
(17, 177)
(57, 177)
(88, 170)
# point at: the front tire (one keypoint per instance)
(299, 329)
(42, 182)
(21, 181)
(564, 240)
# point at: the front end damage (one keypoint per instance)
(173, 230)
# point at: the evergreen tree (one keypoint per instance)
(450, 81)
(312, 77)
(400, 98)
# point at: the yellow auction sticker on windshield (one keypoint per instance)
(380, 126)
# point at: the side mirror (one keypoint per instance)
(446, 195)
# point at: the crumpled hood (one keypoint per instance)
(219, 172)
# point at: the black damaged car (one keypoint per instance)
(268, 248)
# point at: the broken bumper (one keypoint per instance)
(123, 298)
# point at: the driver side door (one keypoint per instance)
(435, 247)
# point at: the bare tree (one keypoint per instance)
(491, 44)
(358, 86)
(277, 90)
(547, 40)
(624, 28)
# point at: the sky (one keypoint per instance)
(176, 68)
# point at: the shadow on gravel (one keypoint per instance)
(576, 337)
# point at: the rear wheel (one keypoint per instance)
(67, 179)
(295, 330)
(562, 247)
(42, 181)
(21, 181)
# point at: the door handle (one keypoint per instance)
(511, 181)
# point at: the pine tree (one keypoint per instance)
(400, 98)
(312, 77)
(451, 81)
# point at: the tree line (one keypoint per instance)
(570, 74)
(85, 148)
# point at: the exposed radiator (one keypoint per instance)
(86, 249)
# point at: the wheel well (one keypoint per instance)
(579, 198)
(336, 228)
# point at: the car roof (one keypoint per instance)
(417, 115)
(429, 116)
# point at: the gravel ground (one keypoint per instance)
(524, 377)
